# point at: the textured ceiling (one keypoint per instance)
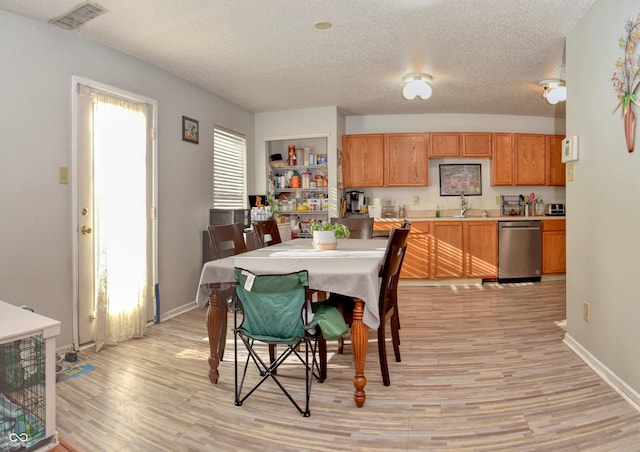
(485, 56)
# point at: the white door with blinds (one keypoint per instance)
(114, 205)
(229, 169)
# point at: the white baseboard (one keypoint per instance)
(177, 311)
(628, 393)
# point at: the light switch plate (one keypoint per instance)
(63, 175)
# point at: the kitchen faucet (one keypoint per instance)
(463, 205)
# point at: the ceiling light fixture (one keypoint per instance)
(554, 90)
(417, 85)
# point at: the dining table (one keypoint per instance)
(351, 269)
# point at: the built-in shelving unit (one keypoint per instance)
(302, 190)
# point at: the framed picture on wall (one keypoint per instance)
(190, 130)
(457, 179)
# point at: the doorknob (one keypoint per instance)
(85, 230)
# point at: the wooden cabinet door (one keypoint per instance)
(416, 259)
(444, 144)
(555, 170)
(554, 246)
(530, 159)
(363, 160)
(481, 249)
(447, 259)
(502, 159)
(406, 162)
(476, 144)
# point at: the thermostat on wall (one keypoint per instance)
(570, 149)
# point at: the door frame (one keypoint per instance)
(75, 219)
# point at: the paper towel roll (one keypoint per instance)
(375, 211)
(377, 202)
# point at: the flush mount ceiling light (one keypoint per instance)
(554, 90)
(417, 85)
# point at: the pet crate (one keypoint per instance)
(27, 380)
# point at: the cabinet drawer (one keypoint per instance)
(554, 225)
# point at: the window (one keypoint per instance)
(229, 169)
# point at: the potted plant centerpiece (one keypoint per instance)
(325, 235)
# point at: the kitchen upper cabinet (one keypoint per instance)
(406, 163)
(460, 144)
(363, 160)
(447, 259)
(385, 160)
(502, 159)
(529, 159)
(481, 249)
(476, 144)
(554, 246)
(555, 171)
(526, 159)
(444, 144)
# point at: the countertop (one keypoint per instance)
(473, 216)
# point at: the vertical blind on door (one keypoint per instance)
(229, 169)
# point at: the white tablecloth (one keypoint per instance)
(350, 270)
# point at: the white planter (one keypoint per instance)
(324, 240)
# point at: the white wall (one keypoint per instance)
(38, 61)
(603, 244)
(429, 197)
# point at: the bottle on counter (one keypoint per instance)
(437, 211)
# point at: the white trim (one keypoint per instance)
(616, 383)
(75, 81)
(178, 311)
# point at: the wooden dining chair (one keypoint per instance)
(267, 232)
(387, 303)
(227, 240)
(359, 227)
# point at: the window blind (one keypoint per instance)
(229, 169)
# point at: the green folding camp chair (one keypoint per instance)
(274, 311)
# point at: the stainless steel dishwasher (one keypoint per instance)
(519, 251)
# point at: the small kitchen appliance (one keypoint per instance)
(356, 201)
(555, 210)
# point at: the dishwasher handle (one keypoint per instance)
(521, 228)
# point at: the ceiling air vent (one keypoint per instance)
(78, 15)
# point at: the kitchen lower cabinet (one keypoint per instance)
(416, 259)
(481, 249)
(554, 247)
(447, 258)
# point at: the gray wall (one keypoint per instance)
(603, 243)
(38, 61)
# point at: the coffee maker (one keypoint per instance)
(355, 201)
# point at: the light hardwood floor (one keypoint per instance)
(483, 368)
